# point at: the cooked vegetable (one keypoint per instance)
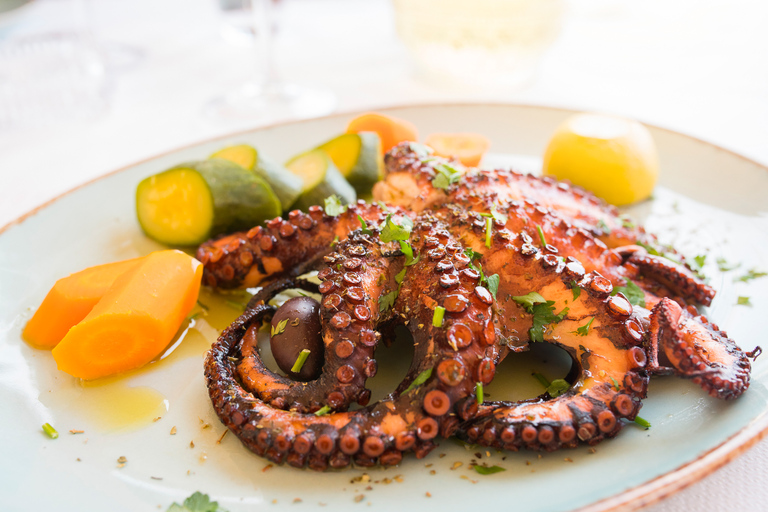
(190, 203)
(391, 130)
(70, 300)
(613, 157)
(468, 148)
(321, 179)
(135, 320)
(358, 157)
(286, 186)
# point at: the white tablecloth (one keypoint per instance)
(698, 67)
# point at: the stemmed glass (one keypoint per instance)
(266, 97)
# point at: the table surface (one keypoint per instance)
(697, 67)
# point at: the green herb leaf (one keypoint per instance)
(632, 292)
(489, 470)
(364, 229)
(437, 316)
(700, 260)
(479, 393)
(418, 381)
(407, 250)
(392, 231)
(584, 329)
(649, 249)
(543, 315)
(280, 327)
(724, 266)
(335, 241)
(643, 422)
(333, 206)
(472, 254)
(557, 387)
(604, 227)
(50, 431)
(751, 274)
(387, 300)
(493, 284)
(743, 301)
(529, 300)
(576, 290)
(303, 355)
(446, 176)
(488, 231)
(323, 410)
(542, 379)
(421, 150)
(615, 384)
(400, 276)
(626, 222)
(198, 502)
(541, 236)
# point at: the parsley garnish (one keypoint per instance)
(615, 384)
(604, 227)
(392, 231)
(387, 300)
(364, 229)
(479, 393)
(541, 378)
(280, 327)
(700, 260)
(488, 230)
(303, 355)
(649, 249)
(421, 150)
(473, 255)
(632, 292)
(488, 470)
(198, 502)
(557, 387)
(724, 266)
(743, 301)
(584, 329)
(333, 206)
(492, 282)
(323, 410)
(541, 236)
(418, 381)
(626, 222)
(575, 290)
(543, 312)
(50, 431)
(751, 274)
(407, 250)
(335, 241)
(446, 176)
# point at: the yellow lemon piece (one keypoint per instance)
(613, 157)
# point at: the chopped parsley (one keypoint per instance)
(392, 231)
(700, 260)
(488, 231)
(751, 274)
(724, 266)
(335, 241)
(615, 384)
(543, 312)
(604, 227)
(632, 292)
(584, 329)
(303, 355)
(488, 470)
(407, 250)
(576, 290)
(557, 387)
(387, 300)
(473, 255)
(333, 206)
(421, 150)
(479, 393)
(418, 381)
(437, 316)
(50, 431)
(198, 502)
(492, 282)
(446, 176)
(649, 248)
(495, 215)
(323, 410)
(743, 301)
(626, 222)
(541, 236)
(279, 328)
(364, 228)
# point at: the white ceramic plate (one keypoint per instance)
(709, 201)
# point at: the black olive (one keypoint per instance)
(296, 327)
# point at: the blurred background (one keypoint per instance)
(89, 86)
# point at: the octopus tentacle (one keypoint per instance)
(698, 350)
(293, 246)
(462, 347)
(675, 277)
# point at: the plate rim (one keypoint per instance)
(634, 498)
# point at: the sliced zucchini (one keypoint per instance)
(358, 157)
(285, 185)
(190, 203)
(321, 179)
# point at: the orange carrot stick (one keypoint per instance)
(468, 148)
(135, 320)
(70, 299)
(391, 130)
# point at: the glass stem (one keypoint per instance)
(266, 71)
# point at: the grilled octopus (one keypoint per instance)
(494, 262)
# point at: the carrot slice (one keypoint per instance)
(468, 148)
(391, 130)
(135, 320)
(70, 299)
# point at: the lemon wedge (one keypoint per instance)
(613, 157)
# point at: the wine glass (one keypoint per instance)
(266, 97)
